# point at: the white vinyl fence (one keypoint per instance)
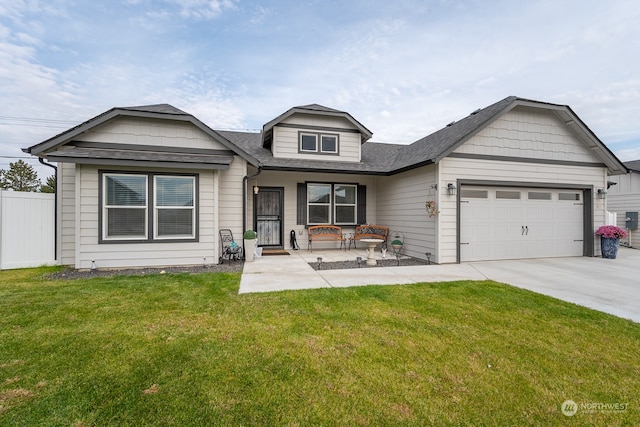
(27, 229)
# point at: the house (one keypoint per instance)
(623, 197)
(152, 185)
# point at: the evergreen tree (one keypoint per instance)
(49, 186)
(19, 177)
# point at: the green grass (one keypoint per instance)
(188, 350)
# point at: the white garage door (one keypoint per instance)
(513, 223)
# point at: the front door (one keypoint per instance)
(268, 216)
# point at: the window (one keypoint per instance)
(148, 207)
(342, 204)
(319, 203)
(468, 193)
(345, 204)
(539, 195)
(174, 207)
(328, 144)
(308, 142)
(569, 196)
(503, 194)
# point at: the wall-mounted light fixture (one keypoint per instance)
(602, 193)
(256, 189)
(451, 189)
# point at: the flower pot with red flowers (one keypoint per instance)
(610, 236)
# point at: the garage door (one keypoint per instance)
(514, 223)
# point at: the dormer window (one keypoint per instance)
(318, 143)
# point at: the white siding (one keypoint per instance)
(285, 139)
(629, 183)
(452, 169)
(621, 204)
(154, 132)
(401, 207)
(66, 213)
(289, 182)
(119, 255)
(529, 133)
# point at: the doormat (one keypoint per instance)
(266, 252)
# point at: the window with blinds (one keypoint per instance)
(174, 207)
(148, 207)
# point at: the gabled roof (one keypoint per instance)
(318, 109)
(438, 145)
(376, 158)
(156, 111)
(388, 159)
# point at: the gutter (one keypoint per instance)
(244, 202)
(55, 209)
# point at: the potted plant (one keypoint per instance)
(249, 244)
(610, 236)
(397, 240)
(431, 208)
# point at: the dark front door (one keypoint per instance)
(268, 216)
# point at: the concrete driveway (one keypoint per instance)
(608, 285)
(611, 286)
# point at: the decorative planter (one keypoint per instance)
(249, 249)
(396, 247)
(609, 247)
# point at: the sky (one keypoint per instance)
(403, 68)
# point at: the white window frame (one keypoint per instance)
(156, 208)
(315, 136)
(354, 205)
(335, 137)
(106, 207)
(329, 204)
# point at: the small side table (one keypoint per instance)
(371, 244)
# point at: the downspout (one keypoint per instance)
(55, 209)
(244, 201)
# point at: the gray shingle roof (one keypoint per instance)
(157, 108)
(434, 147)
(633, 165)
(379, 158)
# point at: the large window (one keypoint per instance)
(332, 204)
(318, 143)
(148, 207)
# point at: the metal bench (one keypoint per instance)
(369, 232)
(326, 233)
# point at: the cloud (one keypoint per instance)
(203, 9)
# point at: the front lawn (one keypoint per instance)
(181, 349)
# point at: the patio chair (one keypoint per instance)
(230, 249)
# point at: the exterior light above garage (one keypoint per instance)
(602, 193)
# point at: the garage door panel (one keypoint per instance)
(520, 223)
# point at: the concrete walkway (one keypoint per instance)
(611, 286)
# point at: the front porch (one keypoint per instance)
(299, 270)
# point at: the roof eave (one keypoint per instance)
(71, 134)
